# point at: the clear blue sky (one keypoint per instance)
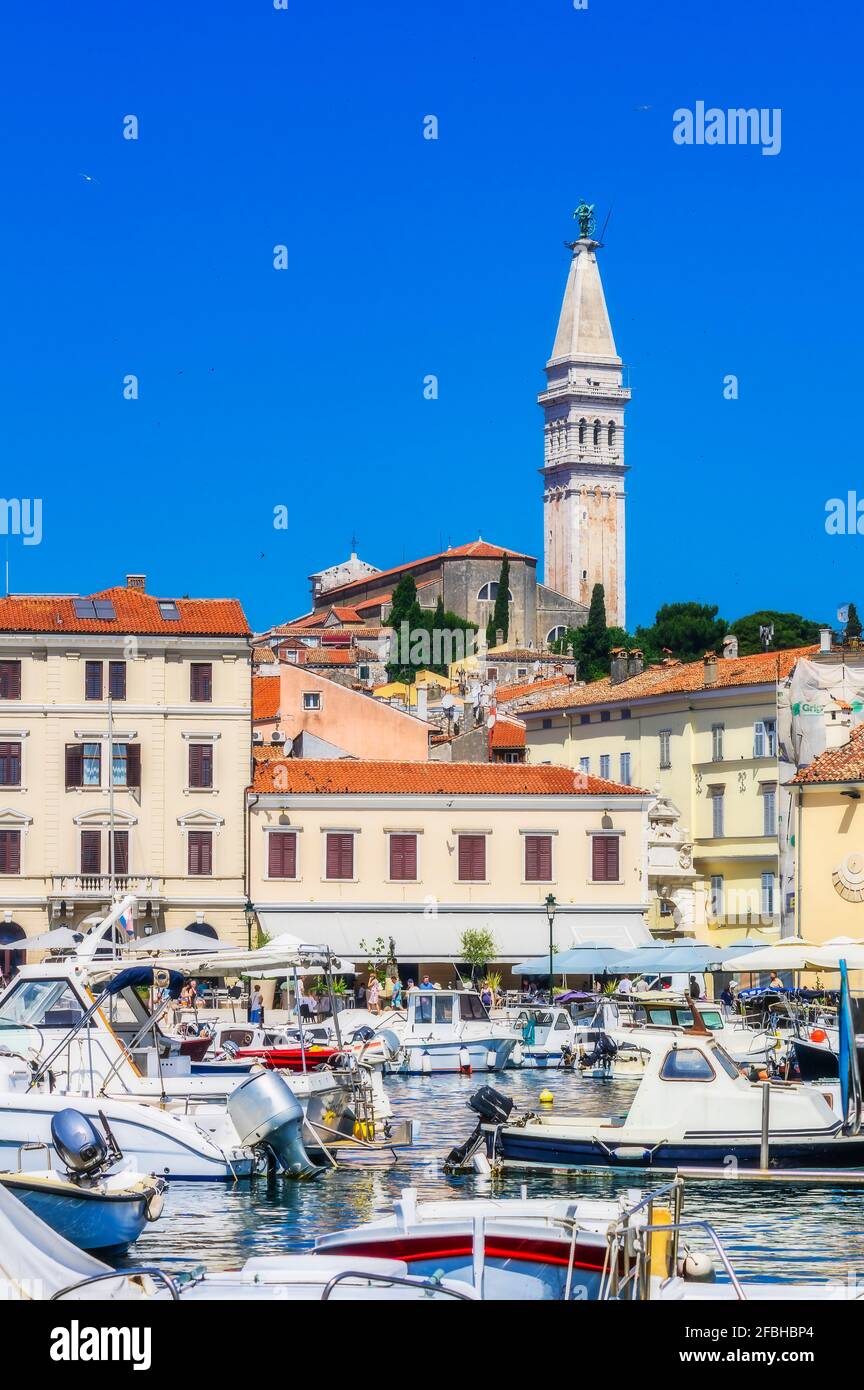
(408, 257)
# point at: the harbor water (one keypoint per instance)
(771, 1231)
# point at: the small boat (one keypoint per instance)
(549, 1036)
(449, 1030)
(93, 1208)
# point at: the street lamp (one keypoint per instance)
(249, 912)
(551, 906)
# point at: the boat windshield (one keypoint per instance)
(471, 1007)
(725, 1061)
(45, 1003)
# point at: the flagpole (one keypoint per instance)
(111, 884)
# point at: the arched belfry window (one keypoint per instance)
(596, 434)
(581, 431)
(611, 434)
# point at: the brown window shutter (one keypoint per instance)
(10, 764)
(91, 851)
(472, 858)
(200, 852)
(195, 765)
(403, 857)
(10, 851)
(613, 845)
(117, 680)
(133, 764)
(121, 851)
(340, 856)
(10, 680)
(74, 765)
(538, 858)
(201, 680)
(282, 854)
(605, 858)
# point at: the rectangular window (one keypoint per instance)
(765, 738)
(546, 724)
(605, 861)
(10, 764)
(10, 680)
(585, 766)
(10, 851)
(200, 852)
(282, 854)
(605, 764)
(312, 699)
(92, 765)
(767, 895)
(584, 719)
(91, 851)
(665, 747)
(340, 856)
(121, 851)
(403, 857)
(605, 716)
(717, 903)
(625, 770)
(538, 858)
(625, 713)
(200, 764)
(92, 680)
(472, 858)
(769, 810)
(201, 681)
(716, 743)
(771, 736)
(117, 680)
(718, 806)
(126, 765)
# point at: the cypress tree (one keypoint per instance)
(500, 620)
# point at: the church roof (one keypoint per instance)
(474, 550)
(584, 330)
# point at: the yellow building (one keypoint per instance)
(703, 735)
(347, 852)
(828, 821)
(122, 710)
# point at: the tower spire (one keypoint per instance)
(583, 405)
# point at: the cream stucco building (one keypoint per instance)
(828, 830)
(348, 852)
(169, 683)
(702, 735)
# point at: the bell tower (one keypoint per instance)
(583, 469)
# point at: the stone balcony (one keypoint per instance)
(98, 887)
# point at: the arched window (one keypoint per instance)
(611, 434)
(555, 634)
(489, 592)
(581, 431)
(203, 929)
(11, 955)
(596, 434)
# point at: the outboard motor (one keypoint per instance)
(265, 1111)
(605, 1051)
(79, 1144)
(494, 1108)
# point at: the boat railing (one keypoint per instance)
(430, 1285)
(150, 1271)
(630, 1257)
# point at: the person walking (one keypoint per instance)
(396, 1000)
(373, 990)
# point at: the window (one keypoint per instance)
(555, 634)
(610, 435)
(10, 851)
(92, 765)
(121, 851)
(546, 724)
(584, 719)
(716, 743)
(93, 680)
(538, 858)
(769, 810)
(312, 699)
(403, 858)
(605, 716)
(626, 713)
(10, 764)
(717, 903)
(472, 858)
(126, 765)
(91, 851)
(201, 681)
(585, 766)
(200, 765)
(101, 608)
(765, 738)
(364, 673)
(444, 1009)
(596, 434)
(489, 592)
(665, 747)
(605, 765)
(722, 1056)
(168, 610)
(686, 1064)
(282, 854)
(117, 680)
(200, 852)
(767, 895)
(625, 769)
(423, 1007)
(340, 856)
(10, 680)
(718, 803)
(471, 1007)
(605, 859)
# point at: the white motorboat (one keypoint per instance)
(549, 1036)
(449, 1030)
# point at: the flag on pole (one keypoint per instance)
(126, 924)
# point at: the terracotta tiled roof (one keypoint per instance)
(507, 733)
(669, 679)
(291, 633)
(327, 656)
(517, 690)
(136, 612)
(263, 656)
(265, 698)
(845, 764)
(268, 752)
(346, 777)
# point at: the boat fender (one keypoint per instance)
(491, 1060)
(818, 1035)
(465, 1061)
(697, 1268)
(426, 1064)
(481, 1164)
(631, 1153)
(155, 1204)
(517, 1056)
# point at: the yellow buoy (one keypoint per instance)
(546, 1098)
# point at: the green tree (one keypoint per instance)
(687, 630)
(500, 620)
(790, 630)
(594, 642)
(478, 946)
(853, 627)
(404, 609)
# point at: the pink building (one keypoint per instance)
(317, 718)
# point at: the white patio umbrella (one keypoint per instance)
(792, 954)
(60, 939)
(189, 942)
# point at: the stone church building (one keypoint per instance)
(583, 497)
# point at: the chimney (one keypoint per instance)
(825, 639)
(635, 663)
(136, 581)
(730, 647)
(422, 702)
(618, 665)
(709, 667)
(499, 637)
